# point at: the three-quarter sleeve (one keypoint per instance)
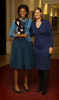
(50, 34)
(31, 30)
(27, 27)
(13, 27)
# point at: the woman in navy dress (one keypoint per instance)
(43, 47)
(22, 47)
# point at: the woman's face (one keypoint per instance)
(37, 14)
(22, 13)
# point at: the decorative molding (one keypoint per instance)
(50, 1)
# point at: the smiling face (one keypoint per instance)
(23, 13)
(37, 14)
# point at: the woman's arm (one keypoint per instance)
(11, 33)
(50, 37)
(13, 27)
(21, 35)
(31, 30)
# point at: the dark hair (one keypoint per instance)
(37, 8)
(25, 7)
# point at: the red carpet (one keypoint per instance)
(6, 84)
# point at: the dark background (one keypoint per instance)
(2, 27)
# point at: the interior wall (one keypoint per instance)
(11, 14)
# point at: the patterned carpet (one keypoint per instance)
(6, 84)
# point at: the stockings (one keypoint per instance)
(43, 77)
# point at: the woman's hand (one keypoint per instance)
(50, 50)
(25, 35)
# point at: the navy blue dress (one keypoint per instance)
(43, 40)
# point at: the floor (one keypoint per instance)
(4, 60)
(7, 91)
(6, 81)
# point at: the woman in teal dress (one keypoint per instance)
(22, 48)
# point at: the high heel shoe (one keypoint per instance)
(44, 92)
(17, 91)
(26, 89)
(38, 90)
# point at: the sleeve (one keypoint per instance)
(31, 30)
(27, 29)
(50, 34)
(13, 27)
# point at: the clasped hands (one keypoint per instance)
(21, 35)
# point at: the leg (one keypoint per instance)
(16, 80)
(41, 78)
(26, 81)
(45, 77)
(40, 74)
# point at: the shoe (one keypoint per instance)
(38, 90)
(26, 89)
(17, 91)
(44, 92)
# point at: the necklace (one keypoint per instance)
(23, 20)
(38, 24)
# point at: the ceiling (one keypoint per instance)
(55, 5)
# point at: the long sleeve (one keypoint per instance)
(27, 29)
(31, 30)
(50, 33)
(27, 26)
(13, 27)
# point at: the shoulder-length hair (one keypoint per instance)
(37, 8)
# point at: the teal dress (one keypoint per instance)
(22, 56)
